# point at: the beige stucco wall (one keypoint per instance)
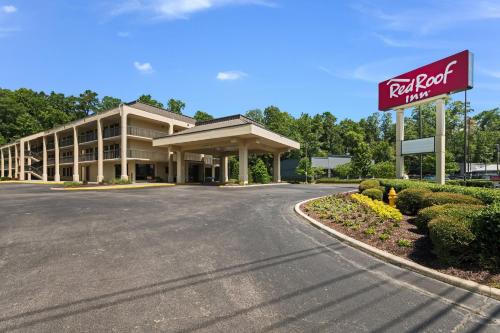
(133, 121)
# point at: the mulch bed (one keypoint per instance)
(420, 250)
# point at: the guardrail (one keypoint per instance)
(111, 154)
(144, 132)
(88, 157)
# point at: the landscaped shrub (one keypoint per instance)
(337, 181)
(119, 181)
(425, 215)
(259, 172)
(5, 178)
(486, 195)
(71, 184)
(409, 201)
(442, 198)
(374, 193)
(452, 239)
(369, 183)
(472, 182)
(380, 208)
(486, 227)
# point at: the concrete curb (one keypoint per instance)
(398, 261)
(34, 182)
(253, 185)
(105, 188)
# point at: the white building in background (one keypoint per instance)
(329, 163)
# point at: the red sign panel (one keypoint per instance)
(448, 75)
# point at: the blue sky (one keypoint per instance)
(229, 56)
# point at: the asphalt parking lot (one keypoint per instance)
(204, 259)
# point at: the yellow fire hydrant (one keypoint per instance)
(392, 197)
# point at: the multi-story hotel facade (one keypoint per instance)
(140, 142)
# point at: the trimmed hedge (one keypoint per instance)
(369, 183)
(337, 181)
(486, 227)
(442, 198)
(409, 201)
(374, 193)
(452, 239)
(472, 182)
(425, 215)
(486, 195)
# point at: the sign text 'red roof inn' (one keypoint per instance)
(448, 75)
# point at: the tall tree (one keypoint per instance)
(88, 103)
(176, 105)
(147, 99)
(202, 116)
(256, 115)
(108, 103)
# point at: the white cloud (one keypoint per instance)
(123, 34)
(409, 43)
(178, 9)
(144, 68)
(9, 9)
(230, 75)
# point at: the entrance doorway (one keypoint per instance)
(144, 171)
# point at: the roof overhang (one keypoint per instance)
(228, 138)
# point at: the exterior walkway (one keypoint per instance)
(204, 259)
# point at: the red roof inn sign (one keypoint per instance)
(432, 82)
(445, 76)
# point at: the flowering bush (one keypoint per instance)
(380, 208)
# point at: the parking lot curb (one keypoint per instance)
(32, 182)
(114, 187)
(398, 261)
(253, 185)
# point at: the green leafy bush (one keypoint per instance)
(404, 242)
(409, 201)
(486, 195)
(337, 181)
(119, 181)
(5, 178)
(373, 193)
(451, 239)
(442, 198)
(259, 172)
(71, 184)
(384, 169)
(369, 183)
(472, 182)
(425, 215)
(486, 227)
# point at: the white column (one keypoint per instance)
(123, 145)
(213, 168)
(44, 157)
(224, 170)
(16, 162)
(29, 160)
(440, 141)
(277, 168)
(2, 164)
(181, 178)
(21, 160)
(170, 157)
(243, 163)
(400, 135)
(57, 176)
(76, 153)
(100, 152)
(10, 163)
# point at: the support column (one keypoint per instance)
(16, 162)
(224, 170)
(28, 146)
(170, 175)
(277, 168)
(76, 153)
(2, 164)
(181, 176)
(44, 157)
(440, 141)
(10, 163)
(123, 145)
(400, 135)
(213, 169)
(100, 153)
(57, 175)
(21, 160)
(243, 163)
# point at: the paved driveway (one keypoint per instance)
(190, 258)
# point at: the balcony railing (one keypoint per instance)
(50, 145)
(144, 132)
(51, 161)
(87, 137)
(66, 142)
(111, 132)
(66, 159)
(88, 157)
(147, 155)
(111, 154)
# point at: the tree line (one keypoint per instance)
(24, 112)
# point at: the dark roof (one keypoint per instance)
(161, 111)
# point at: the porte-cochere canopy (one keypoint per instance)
(223, 137)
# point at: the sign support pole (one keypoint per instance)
(440, 141)
(465, 137)
(400, 134)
